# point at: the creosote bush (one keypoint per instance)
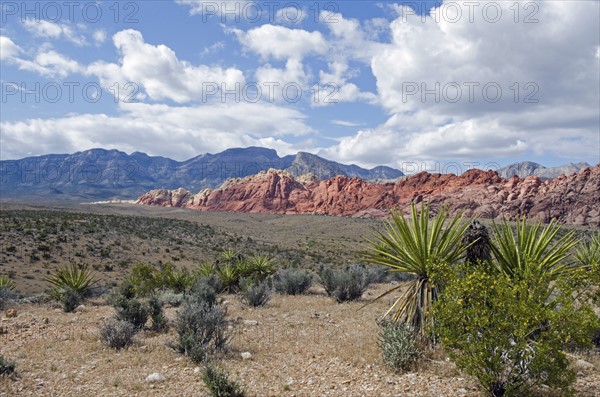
(218, 383)
(117, 334)
(507, 332)
(292, 281)
(398, 343)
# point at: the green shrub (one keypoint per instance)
(218, 383)
(133, 311)
(507, 332)
(398, 343)
(229, 276)
(144, 280)
(176, 280)
(346, 284)
(202, 329)
(292, 281)
(157, 314)
(255, 294)
(7, 366)
(258, 268)
(117, 334)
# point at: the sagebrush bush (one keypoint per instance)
(133, 311)
(202, 329)
(7, 366)
(204, 291)
(70, 299)
(255, 294)
(346, 284)
(398, 343)
(117, 334)
(157, 314)
(218, 383)
(171, 298)
(292, 281)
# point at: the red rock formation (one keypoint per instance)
(571, 199)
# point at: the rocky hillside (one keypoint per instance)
(99, 174)
(571, 198)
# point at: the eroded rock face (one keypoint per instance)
(572, 199)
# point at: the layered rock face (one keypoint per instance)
(572, 199)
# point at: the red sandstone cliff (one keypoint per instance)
(572, 199)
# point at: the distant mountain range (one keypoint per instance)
(526, 168)
(100, 174)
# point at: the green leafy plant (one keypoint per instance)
(259, 267)
(144, 279)
(416, 246)
(133, 311)
(504, 332)
(218, 383)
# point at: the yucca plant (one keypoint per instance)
(530, 250)
(7, 283)
(587, 254)
(205, 269)
(71, 278)
(229, 276)
(416, 246)
(260, 267)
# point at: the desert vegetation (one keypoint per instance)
(511, 306)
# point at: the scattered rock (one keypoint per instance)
(10, 313)
(250, 322)
(583, 365)
(246, 356)
(197, 370)
(155, 377)
(79, 309)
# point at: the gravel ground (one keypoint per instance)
(300, 346)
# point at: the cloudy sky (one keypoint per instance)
(361, 82)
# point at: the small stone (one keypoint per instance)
(197, 370)
(155, 377)
(11, 313)
(461, 392)
(45, 320)
(250, 322)
(246, 356)
(583, 365)
(79, 309)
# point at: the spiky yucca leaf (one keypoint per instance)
(79, 280)
(6, 282)
(416, 246)
(531, 250)
(587, 254)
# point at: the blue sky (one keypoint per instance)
(414, 85)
